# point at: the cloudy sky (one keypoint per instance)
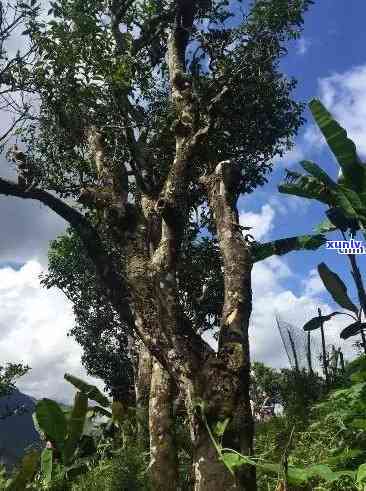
(330, 63)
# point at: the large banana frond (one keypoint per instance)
(306, 186)
(343, 148)
(93, 393)
(336, 288)
(314, 170)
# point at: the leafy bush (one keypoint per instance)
(126, 471)
(336, 438)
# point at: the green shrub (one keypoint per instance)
(126, 471)
(335, 437)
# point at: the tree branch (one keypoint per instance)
(283, 246)
(10, 129)
(116, 288)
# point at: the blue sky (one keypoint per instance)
(329, 62)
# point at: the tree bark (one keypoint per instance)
(210, 474)
(163, 453)
(142, 388)
(225, 378)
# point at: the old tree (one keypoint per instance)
(142, 124)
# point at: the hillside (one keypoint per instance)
(17, 431)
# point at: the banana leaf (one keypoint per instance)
(343, 148)
(52, 421)
(47, 465)
(325, 226)
(355, 200)
(313, 169)
(336, 288)
(341, 199)
(306, 187)
(340, 220)
(75, 425)
(91, 391)
(352, 330)
(316, 322)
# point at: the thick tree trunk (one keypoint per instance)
(143, 373)
(224, 381)
(210, 474)
(163, 452)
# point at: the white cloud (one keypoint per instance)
(344, 95)
(313, 284)
(303, 45)
(271, 297)
(313, 138)
(292, 157)
(262, 222)
(34, 323)
(284, 204)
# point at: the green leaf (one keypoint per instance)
(297, 475)
(52, 421)
(343, 148)
(91, 391)
(46, 465)
(269, 467)
(325, 226)
(359, 376)
(233, 460)
(359, 424)
(352, 330)
(336, 288)
(28, 468)
(341, 199)
(323, 471)
(354, 199)
(317, 172)
(311, 242)
(75, 425)
(361, 474)
(220, 427)
(308, 187)
(316, 322)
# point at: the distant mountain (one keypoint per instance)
(16, 431)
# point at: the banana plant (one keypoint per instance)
(63, 432)
(346, 197)
(338, 291)
(69, 446)
(114, 410)
(346, 202)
